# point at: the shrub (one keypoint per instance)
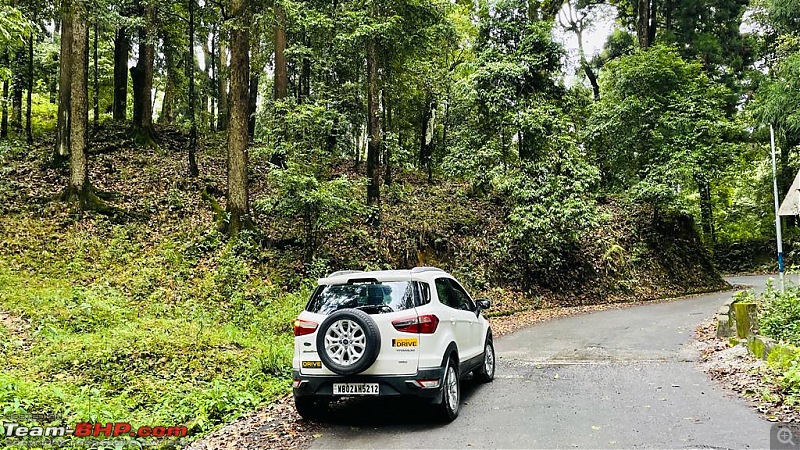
(779, 315)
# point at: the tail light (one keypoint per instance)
(426, 324)
(304, 327)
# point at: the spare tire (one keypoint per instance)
(348, 341)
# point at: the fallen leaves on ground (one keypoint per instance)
(737, 370)
(277, 426)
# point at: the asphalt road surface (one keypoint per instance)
(613, 379)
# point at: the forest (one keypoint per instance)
(175, 175)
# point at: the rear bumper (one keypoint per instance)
(390, 385)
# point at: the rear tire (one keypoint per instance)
(311, 408)
(485, 373)
(451, 393)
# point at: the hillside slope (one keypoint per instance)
(154, 316)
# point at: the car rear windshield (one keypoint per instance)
(372, 298)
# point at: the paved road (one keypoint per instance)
(613, 379)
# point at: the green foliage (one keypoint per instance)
(515, 79)
(779, 314)
(13, 26)
(784, 361)
(550, 205)
(659, 126)
(778, 100)
(320, 205)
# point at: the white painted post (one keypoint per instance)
(777, 206)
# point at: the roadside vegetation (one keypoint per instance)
(779, 319)
(158, 232)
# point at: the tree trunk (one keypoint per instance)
(426, 136)
(305, 75)
(52, 82)
(122, 48)
(79, 106)
(706, 210)
(388, 124)
(207, 96)
(212, 121)
(142, 77)
(252, 105)
(651, 28)
(96, 100)
(17, 91)
(193, 169)
(167, 115)
(29, 102)
(61, 150)
(281, 74)
(238, 206)
(4, 120)
(281, 83)
(252, 100)
(374, 145)
(222, 85)
(643, 23)
(587, 68)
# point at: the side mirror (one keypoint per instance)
(483, 303)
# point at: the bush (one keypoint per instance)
(779, 315)
(550, 206)
(320, 205)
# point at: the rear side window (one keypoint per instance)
(424, 294)
(372, 298)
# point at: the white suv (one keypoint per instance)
(400, 332)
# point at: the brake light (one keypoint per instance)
(304, 327)
(426, 324)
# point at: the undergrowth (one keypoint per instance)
(151, 328)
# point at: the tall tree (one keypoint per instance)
(4, 118)
(374, 124)
(96, 70)
(122, 49)
(142, 77)
(281, 75)
(29, 101)
(167, 115)
(238, 203)
(193, 170)
(252, 100)
(660, 124)
(62, 148)
(222, 83)
(78, 189)
(578, 21)
(18, 88)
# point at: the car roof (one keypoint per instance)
(417, 273)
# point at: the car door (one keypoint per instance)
(465, 303)
(459, 319)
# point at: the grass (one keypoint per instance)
(152, 326)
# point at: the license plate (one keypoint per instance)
(356, 389)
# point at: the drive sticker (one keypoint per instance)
(312, 364)
(410, 342)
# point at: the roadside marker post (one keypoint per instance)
(777, 208)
